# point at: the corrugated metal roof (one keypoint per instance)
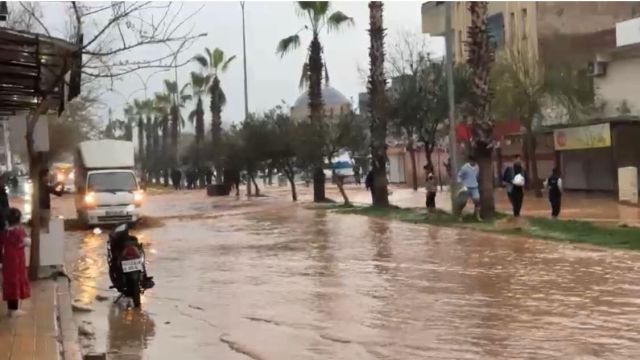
(32, 66)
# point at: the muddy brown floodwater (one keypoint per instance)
(267, 280)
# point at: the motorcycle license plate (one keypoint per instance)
(131, 265)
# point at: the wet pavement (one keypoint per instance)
(267, 279)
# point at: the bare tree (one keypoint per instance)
(103, 35)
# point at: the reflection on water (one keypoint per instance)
(129, 333)
(280, 282)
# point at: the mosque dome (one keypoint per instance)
(330, 96)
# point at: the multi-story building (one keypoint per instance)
(585, 35)
(551, 30)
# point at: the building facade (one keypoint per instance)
(550, 30)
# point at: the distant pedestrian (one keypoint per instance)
(507, 178)
(554, 186)
(15, 284)
(356, 175)
(432, 188)
(468, 177)
(176, 178)
(4, 207)
(517, 190)
(45, 190)
(208, 175)
(369, 183)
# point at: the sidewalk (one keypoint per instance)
(37, 335)
(598, 208)
(32, 336)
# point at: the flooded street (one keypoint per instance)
(267, 279)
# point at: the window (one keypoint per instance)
(512, 28)
(523, 21)
(495, 25)
(112, 181)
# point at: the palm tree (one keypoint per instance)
(142, 109)
(314, 67)
(130, 121)
(162, 103)
(199, 84)
(178, 98)
(215, 63)
(151, 156)
(480, 56)
(377, 86)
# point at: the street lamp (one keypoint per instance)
(175, 59)
(145, 82)
(244, 60)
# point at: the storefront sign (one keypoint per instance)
(582, 137)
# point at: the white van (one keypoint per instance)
(108, 191)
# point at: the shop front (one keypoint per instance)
(590, 155)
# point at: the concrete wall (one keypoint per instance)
(621, 83)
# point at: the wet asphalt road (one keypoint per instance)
(266, 279)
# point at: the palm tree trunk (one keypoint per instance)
(175, 119)
(141, 143)
(199, 124)
(414, 166)
(216, 132)
(316, 107)
(150, 158)
(480, 58)
(377, 88)
(166, 166)
(156, 149)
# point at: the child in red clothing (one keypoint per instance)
(15, 284)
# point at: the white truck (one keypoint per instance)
(107, 190)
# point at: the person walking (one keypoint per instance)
(208, 175)
(517, 189)
(356, 174)
(368, 183)
(4, 207)
(176, 178)
(45, 190)
(554, 185)
(15, 284)
(507, 179)
(432, 188)
(468, 177)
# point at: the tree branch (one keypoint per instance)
(34, 16)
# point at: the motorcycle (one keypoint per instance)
(127, 269)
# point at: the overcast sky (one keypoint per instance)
(270, 78)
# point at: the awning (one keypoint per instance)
(33, 66)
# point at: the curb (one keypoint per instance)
(67, 330)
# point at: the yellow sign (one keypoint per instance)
(582, 137)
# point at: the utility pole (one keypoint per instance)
(244, 60)
(246, 96)
(453, 150)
